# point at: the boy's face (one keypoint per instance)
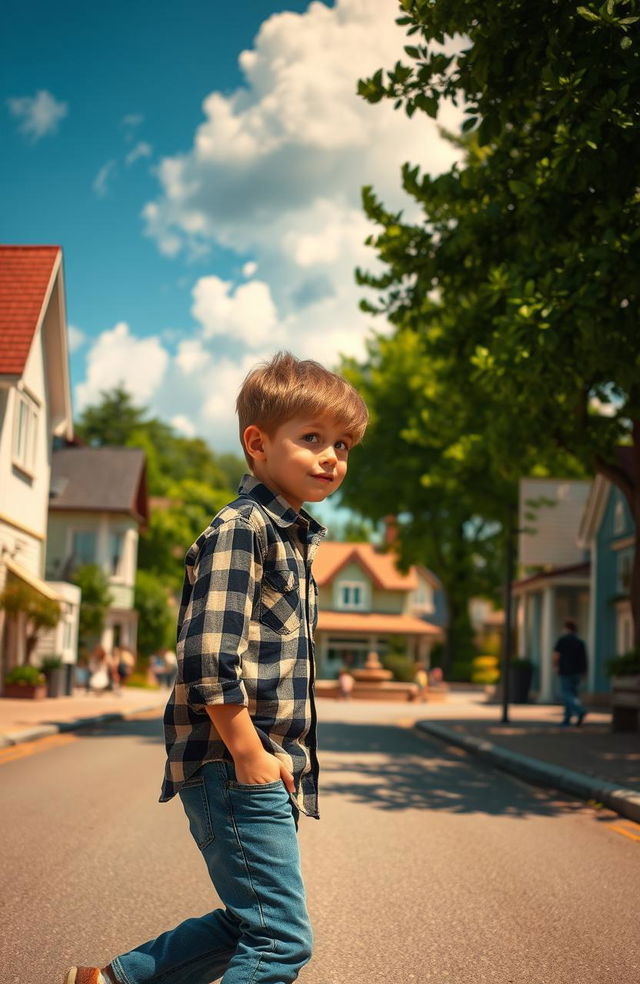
(304, 460)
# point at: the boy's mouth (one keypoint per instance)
(324, 478)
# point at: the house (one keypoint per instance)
(554, 573)
(35, 411)
(607, 530)
(97, 507)
(364, 601)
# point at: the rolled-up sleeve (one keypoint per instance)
(215, 631)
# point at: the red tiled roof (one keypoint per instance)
(25, 273)
(375, 622)
(332, 557)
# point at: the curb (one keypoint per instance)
(10, 738)
(626, 802)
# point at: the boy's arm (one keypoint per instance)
(253, 763)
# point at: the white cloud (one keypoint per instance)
(102, 178)
(39, 115)
(275, 173)
(118, 357)
(248, 314)
(76, 338)
(183, 425)
(141, 149)
(132, 120)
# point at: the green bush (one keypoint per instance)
(51, 663)
(461, 671)
(626, 665)
(139, 680)
(25, 676)
(402, 667)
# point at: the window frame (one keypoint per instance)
(26, 417)
(351, 606)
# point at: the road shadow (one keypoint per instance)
(393, 768)
(148, 728)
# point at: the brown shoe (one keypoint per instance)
(85, 975)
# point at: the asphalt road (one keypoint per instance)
(425, 866)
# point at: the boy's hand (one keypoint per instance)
(261, 767)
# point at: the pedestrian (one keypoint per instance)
(99, 670)
(240, 723)
(345, 683)
(570, 661)
(125, 662)
(422, 681)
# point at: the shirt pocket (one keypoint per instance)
(280, 600)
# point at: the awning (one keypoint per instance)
(375, 622)
(32, 580)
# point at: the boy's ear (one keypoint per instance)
(254, 442)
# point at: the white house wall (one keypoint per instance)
(24, 494)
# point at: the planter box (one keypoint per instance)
(25, 691)
(625, 703)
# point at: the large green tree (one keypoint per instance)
(522, 278)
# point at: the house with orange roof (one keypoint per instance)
(35, 412)
(365, 601)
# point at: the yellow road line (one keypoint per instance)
(37, 745)
(626, 833)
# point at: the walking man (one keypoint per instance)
(570, 660)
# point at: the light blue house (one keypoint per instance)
(607, 530)
(574, 560)
(554, 574)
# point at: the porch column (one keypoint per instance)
(546, 645)
(521, 605)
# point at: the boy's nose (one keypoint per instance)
(329, 454)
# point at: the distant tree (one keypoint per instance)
(95, 601)
(156, 625)
(111, 421)
(522, 278)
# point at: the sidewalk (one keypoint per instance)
(26, 720)
(590, 762)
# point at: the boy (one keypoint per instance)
(240, 725)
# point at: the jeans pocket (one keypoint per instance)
(254, 786)
(193, 795)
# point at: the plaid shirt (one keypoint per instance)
(245, 636)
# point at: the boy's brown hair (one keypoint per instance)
(276, 391)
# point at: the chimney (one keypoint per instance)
(390, 530)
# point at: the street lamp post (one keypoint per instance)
(506, 638)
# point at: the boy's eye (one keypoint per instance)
(310, 437)
(344, 446)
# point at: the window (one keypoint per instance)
(25, 431)
(618, 517)
(116, 543)
(351, 595)
(84, 547)
(625, 562)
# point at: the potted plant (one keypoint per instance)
(54, 670)
(624, 671)
(25, 682)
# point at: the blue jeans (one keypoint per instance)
(248, 837)
(569, 683)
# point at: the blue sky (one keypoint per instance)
(201, 166)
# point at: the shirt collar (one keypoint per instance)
(277, 507)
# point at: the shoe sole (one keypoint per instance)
(82, 975)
